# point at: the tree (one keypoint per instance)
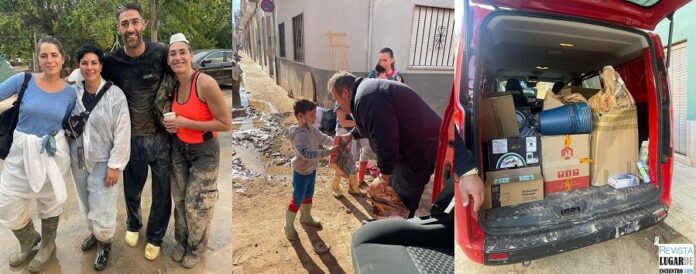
(206, 23)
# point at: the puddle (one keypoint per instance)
(249, 116)
(256, 126)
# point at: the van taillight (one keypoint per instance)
(494, 257)
(661, 214)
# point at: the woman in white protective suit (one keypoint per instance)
(100, 149)
(38, 162)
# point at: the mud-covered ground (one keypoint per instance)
(263, 185)
(72, 229)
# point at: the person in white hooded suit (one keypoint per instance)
(100, 153)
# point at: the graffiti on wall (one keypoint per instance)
(338, 50)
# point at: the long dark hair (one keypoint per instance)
(391, 54)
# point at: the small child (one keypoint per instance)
(306, 139)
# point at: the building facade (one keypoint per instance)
(682, 74)
(303, 42)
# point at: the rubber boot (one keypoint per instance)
(89, 243)
(28, 239)
(290, 231)
(306, 216)
(102, 259)
(354, 187)
(336, 187)
(48, 244)
(178, 253)
(362, 168)
(190, 260)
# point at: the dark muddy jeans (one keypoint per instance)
(194, 191)
(153, 151)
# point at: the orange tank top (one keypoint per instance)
(195, 110)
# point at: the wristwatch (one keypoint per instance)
(471, 172)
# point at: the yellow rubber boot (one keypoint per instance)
(336, 187)
(354, 186)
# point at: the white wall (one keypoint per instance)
(392, 24)
(322, 17)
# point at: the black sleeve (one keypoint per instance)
(463, 159)
(106, 68)
(356, 133)
(382, 129)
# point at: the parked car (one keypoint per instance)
(550, 41)
(217, 63)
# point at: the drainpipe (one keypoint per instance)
(371, 7)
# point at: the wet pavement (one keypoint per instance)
(72, 229)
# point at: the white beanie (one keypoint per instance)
(178, 37)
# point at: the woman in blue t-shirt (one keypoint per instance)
(38, 163)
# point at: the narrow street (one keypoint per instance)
(262, 183)
(72, 229)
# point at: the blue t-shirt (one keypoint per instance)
(40, 112)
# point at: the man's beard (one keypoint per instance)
(134, 44)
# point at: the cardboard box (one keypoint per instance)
(512, 153)
(623, 181)
(565, 162)
(614, 129)
(513, 187)
(499, 117)
(585, 92)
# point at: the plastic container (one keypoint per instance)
(573, 118)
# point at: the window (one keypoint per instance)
(228, 56)
(281, 39)
(432, 38)
(297, 41)
(215, 58)
(592, 82)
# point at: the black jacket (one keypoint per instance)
(397, 121)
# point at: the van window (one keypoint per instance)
(592, 83)
(644, 3)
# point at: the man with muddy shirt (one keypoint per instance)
(139, 69)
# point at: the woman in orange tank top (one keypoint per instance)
(201, 112)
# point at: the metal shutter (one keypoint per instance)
(677, 80)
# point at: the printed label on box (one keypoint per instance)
(531, 159)
(500, 146)
(531, 144)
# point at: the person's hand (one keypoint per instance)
(172, 125)
(334, 150)
(111, 177)
(346, 138)
(471, 185)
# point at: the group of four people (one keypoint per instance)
(111, 121)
